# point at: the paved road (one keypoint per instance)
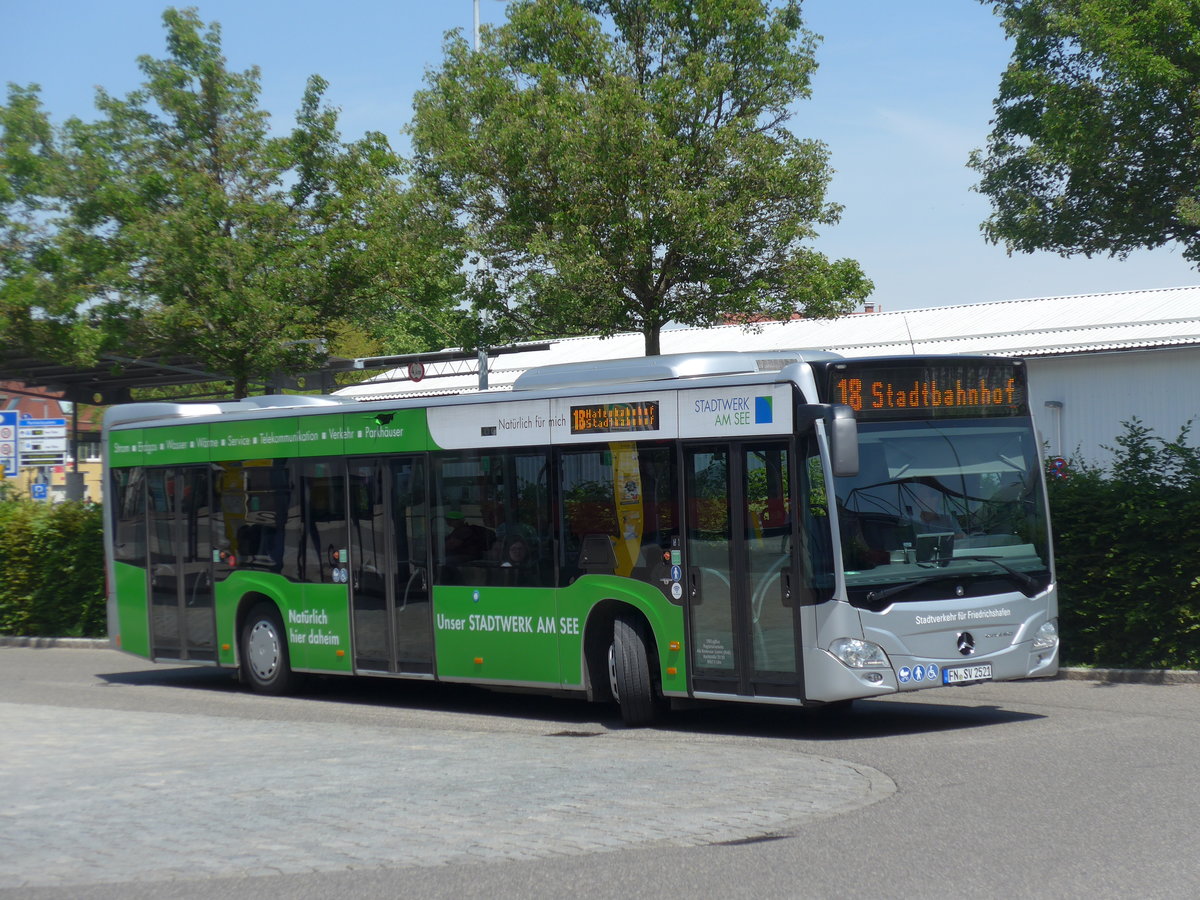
(121, 780)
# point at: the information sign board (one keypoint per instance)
(43, 442)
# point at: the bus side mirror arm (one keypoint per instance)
(842, 429)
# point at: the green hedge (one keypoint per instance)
(51, 569)
(1127, 545)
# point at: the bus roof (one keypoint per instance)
(566, 379)
(661, 368)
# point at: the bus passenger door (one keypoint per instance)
(389, 548)
(741, 569)
(179, 548)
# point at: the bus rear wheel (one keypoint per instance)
(629, 672)
(265, 662)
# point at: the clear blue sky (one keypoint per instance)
(903, 94)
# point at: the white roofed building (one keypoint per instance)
(1095, 360)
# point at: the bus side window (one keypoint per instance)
(619, 512)
(129, 516)
(495, 519)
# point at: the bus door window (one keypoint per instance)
(412, 618)
(369, 562)
(742, 575)
(388, 565)
(196, 561)
(180, 563)
(710, 561)
(768, 542)
(165, 629)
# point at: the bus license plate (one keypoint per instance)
(965, 674)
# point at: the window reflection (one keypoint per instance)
(929, 494)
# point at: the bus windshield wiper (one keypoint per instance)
(1027, 581)
(895, 589)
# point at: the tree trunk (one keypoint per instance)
(651, 334)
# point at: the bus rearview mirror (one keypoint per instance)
(842, 430)
(843, 441)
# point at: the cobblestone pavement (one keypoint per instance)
(94, 796)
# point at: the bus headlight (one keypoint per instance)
(1046, 637)
(856, 654)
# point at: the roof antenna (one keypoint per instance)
(911, 343)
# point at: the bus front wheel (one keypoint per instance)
(265, 662)
(629, 672)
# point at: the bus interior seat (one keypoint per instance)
(596, 555)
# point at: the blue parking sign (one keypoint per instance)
(39, 491)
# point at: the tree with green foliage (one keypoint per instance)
(42, 284)
(1095, 148)
(190, 229)
(1127, 553)
(622, 164)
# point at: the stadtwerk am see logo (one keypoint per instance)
(737, 410)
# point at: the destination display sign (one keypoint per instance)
(945, 389)
(604, 418)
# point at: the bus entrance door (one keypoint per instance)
(741, 569)
(389, 584)
(179, 546)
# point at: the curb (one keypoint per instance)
(1104, 676)
(56, 642)
(1131, 676)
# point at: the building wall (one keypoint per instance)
(1100, 391)
(56, 478)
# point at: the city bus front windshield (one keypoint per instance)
(937, 505)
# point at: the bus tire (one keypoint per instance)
(265, 662)
(629, 671)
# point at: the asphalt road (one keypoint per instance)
(121, 779)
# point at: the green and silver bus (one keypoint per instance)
(792, 528)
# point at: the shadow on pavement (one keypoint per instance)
(865, 720)
(204, 678)
(572, 717)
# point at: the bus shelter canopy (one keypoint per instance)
(111, 380)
